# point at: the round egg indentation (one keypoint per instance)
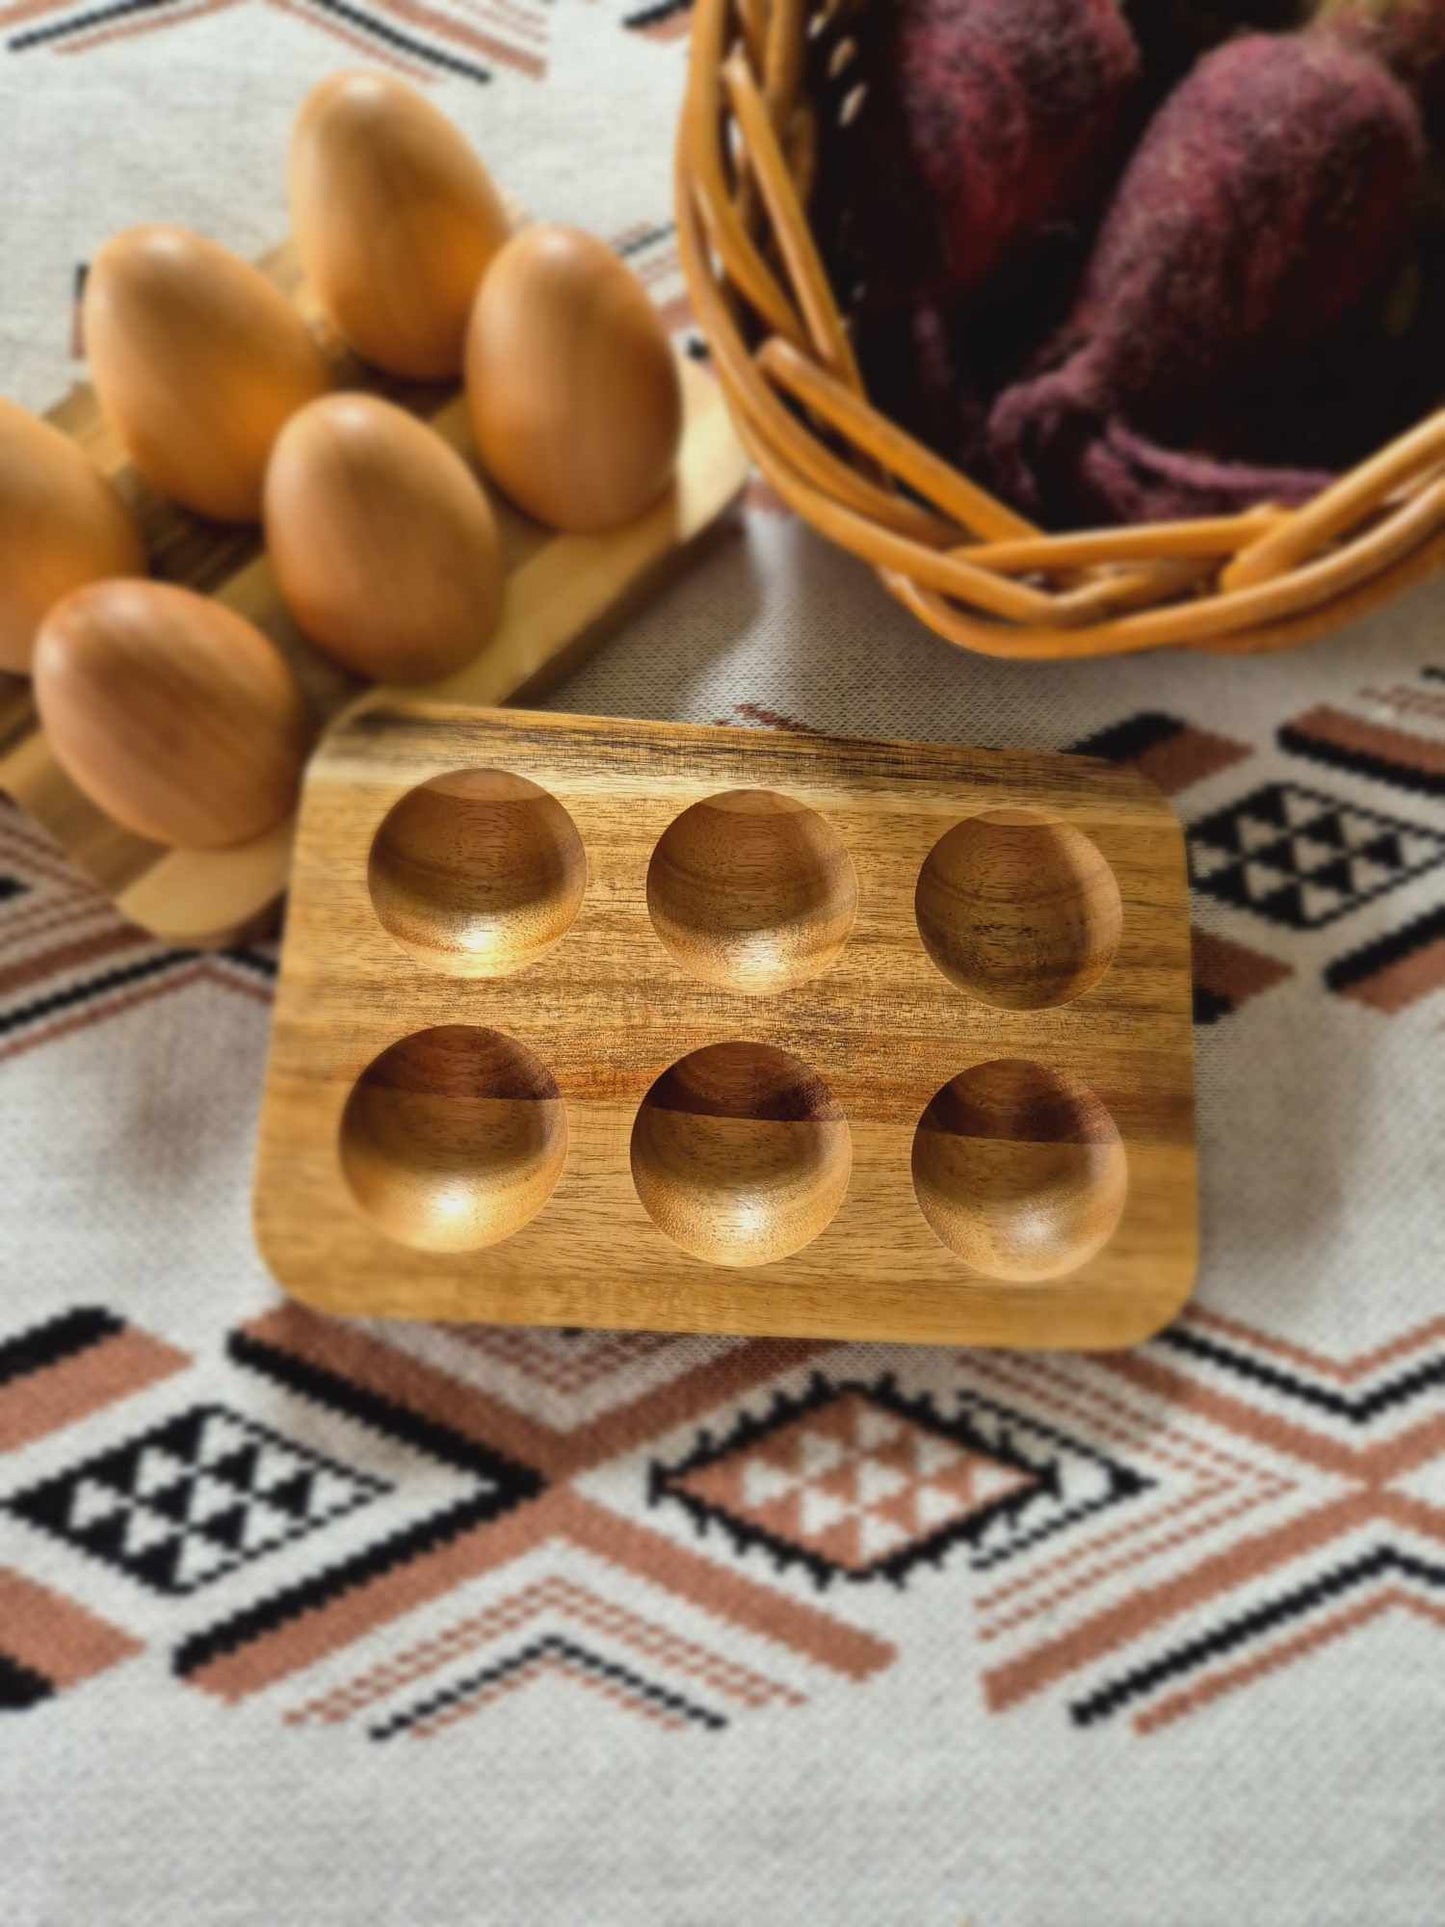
(741, 1154)
(1018, 910)
(454, 1138)
(477, 872)
(1020, 1170)
(752, 891)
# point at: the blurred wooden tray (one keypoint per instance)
(564, 592)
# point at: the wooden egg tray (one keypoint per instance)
(585, 1022)
(564, 593)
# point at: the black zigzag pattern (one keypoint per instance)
(505, 1484)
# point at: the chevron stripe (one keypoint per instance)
(576, 1606)
(467, 1696)
(423, 37)
(1360, 1410)
(1238, 1630)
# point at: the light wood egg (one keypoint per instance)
(198, 361)
(61, 525)
(395, 221)
(383, 542)
(173, 713)
(574, 396)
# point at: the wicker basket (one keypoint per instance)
(763, 76)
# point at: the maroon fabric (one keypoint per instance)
(1004, 113)
(1270, 195)
(990, 128)
(1143, 482)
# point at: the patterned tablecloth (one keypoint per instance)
(310, 1623)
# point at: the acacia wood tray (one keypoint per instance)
(642, 1025)
(564, 594)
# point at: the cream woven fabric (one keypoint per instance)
(311, 1625)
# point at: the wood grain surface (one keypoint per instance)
(563, 594)
(586, 1022)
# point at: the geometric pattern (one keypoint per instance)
(1146, 1533)
(1286, 1511)
(1367, 747)
(73, 1365)
(853, 1486)
(402, 1404)
(1227, 974)
(70, 962)
(49, 1643)
(860, 1481)
(346, 1633)
(555, 1626)
(564, 1360)
(1171, 753)
(441, 1709)
(415, 37)
(182, 1504)
(1302, 859)
(1396, 970)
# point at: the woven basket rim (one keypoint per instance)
(967, 564)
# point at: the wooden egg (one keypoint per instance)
(395, 220)
(197, 360)
(573, 391)
(383, 543)
(61, 525)
(171, 712)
